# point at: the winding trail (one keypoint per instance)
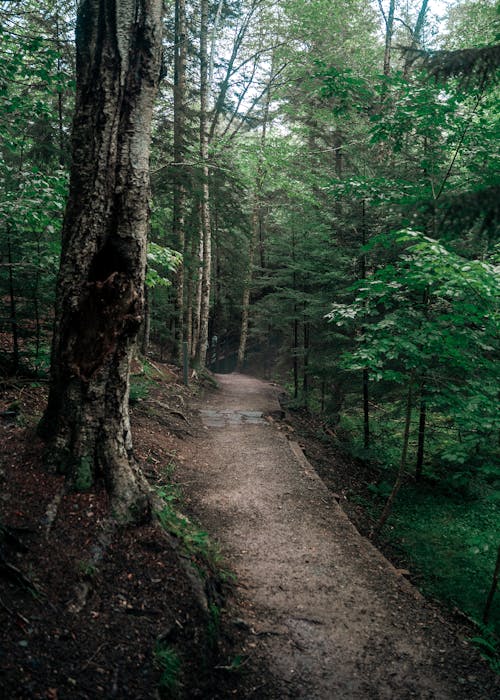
(331, 617)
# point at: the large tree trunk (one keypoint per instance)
(100, 291)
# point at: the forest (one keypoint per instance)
(321, 204)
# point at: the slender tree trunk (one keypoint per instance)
(366, 409)
(218, 107)
(423, 403)
(13, 311)
(213, 43)
(60, 123)
(493, 589)
(205, 224)
(421, 433)
(100, 288)
(420, 23)
(189, 299)
(189, 317)
(295, 351)
(245, 313)
(366, 376)
(339, 154)
(295, 328)
(262, 248)
(416, 35)
(389, 30)
(256, 233)
(305, 375)
(206, 280)
(36, 304)
(402, 466)
(146, 323)
(179, 187)
(197, 308)
(218, 313)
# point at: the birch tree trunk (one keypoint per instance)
(100, 289)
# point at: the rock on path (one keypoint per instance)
(332, 618)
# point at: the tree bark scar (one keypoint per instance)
(108, 312)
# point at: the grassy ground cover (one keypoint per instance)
(451, 542)
(446, 528)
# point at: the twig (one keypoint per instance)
(14, 613)
(17, 576)
(96, 653)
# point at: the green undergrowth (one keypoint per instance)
(195, 542)
(168, 661)
(205, 558)
(450, 542)
(144, 378)
(445, 527)
(142, 381)
(139, 389)
(488, 645)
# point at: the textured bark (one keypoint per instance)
(100, 290)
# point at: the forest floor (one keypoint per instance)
(315, 610)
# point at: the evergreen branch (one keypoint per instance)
(475, 65)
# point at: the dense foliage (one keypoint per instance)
(339, 194)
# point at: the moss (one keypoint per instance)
(57, 458)
(167, 660)
(83, 473)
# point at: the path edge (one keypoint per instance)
(339, 512)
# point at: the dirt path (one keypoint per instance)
(332, 618)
